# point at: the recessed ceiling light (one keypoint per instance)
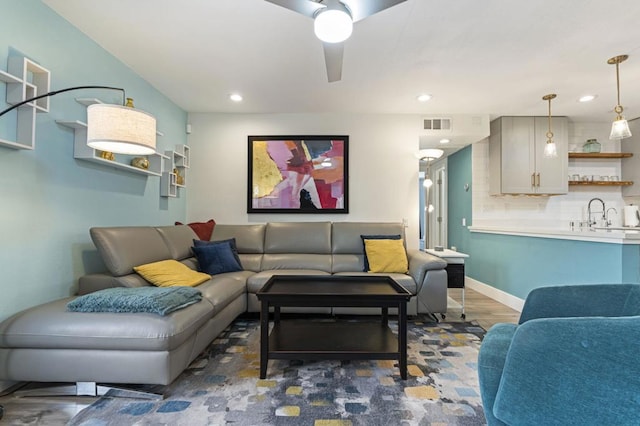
(445, 140)
(587, 98)
(235, 97)
(424, 97)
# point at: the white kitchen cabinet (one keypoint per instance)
(518, 166)
(631, 165)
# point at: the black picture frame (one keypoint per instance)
(298, 174)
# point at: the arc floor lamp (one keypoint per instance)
(120, 129)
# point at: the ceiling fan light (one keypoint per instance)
(620, 129)
(333, 26)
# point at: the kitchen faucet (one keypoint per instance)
(607, 221)
(604, 211)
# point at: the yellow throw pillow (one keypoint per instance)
(386, 256)
(170, 273)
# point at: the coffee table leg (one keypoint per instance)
(385, 316)
(402, 339)
(264, 339)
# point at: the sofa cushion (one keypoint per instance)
(257, 281)
(223, 289)
(403, 279)
(386, 255)
(122, 248)
(347, 263)
(321, 262)
(249, 238)
(231, 241)
(202, 229)
(169, 273)
(345, 236)
(251, 262)
(375, 237)
(178, 239)
(217, 258)
(51, 326)
(298, 237)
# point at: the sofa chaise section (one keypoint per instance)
(49, 344)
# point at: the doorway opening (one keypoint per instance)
(433, 205)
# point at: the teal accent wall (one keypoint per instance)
(459, 199)
(518, 264)
(48, 199)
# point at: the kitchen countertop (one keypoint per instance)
(600, 235)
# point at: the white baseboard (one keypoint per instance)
(501, 296)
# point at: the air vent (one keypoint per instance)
(437, 124)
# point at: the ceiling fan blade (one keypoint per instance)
(360, 9)
(333, 59)
(305, 7)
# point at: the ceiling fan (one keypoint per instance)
(333, 23)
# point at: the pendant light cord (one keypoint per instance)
(548, 98)
(55, 92)
(618, 82)
(549, 133)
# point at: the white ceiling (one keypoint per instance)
(496, 57)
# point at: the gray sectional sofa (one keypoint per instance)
(47, 343)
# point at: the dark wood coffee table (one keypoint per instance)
(345, 340)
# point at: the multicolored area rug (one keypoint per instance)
(222, 387)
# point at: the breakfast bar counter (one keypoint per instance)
(598, 235)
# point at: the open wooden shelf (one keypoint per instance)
(600, 183)
(600, 155)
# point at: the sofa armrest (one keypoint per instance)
(604, 300)
(429, 273)
(420, 262)
(94, 282)
(491, 359)
(572, 370)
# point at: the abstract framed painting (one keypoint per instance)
(298, 174)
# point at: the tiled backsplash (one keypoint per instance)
(550, 211)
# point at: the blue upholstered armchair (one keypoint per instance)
(573, 359)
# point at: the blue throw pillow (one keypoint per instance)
(216, 259)
(232, 241)
(375, 237)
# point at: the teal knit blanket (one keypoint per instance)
(157, 300)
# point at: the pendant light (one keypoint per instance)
(550, 149)
(428, 155)
(620, 127)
